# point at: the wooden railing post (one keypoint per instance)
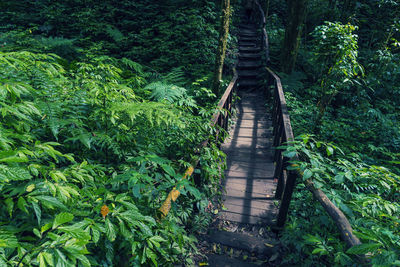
(286, 198)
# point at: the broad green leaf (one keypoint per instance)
(329, 150)
(42, 262)
(339, 178)
(7, 240)
(110, 230)
(312, 238)
(62, 218)
(37, 233)
(10, 206)
(307, 174)
(289, 154)
(85, 262)
(150, 254)
(320, 251)
(46, 227)
(364, 248)
(49, 258)
(51, 202)
(22, 205)
(95, 234)
(37, 210)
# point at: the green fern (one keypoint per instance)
(155, 113)
(170, 93)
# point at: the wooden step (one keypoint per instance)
(248, 219)
(249, 64)
(256, 203)
(244, 56)
(248, 73)
(244, 49)
(248, 44)
(243, 241)
(248, 83)
(248, 26)
(243, 132)
(249, 35)
(249, 39)
(249, 210)
(248, 31)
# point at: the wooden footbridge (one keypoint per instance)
(258, 186)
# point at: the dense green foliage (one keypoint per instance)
(76, 139)
(344, 92)
(103, 107)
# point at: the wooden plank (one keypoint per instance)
(251, 139)
(248, 31)
(266, 166)
(245, 146)
(243, 242)
(240, 158)
(250, 174)
(252, 123)
(242, 218)
(268, 211)
(249, 142)
(255, 181)
(256, 203)
(262, 186)
(249, 64)
(248, 132)
(238, 153)
(249, 49)
(253, 116)
(247, 195)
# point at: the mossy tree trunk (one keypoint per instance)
(266, 8)
(296, 14)
(223, 37)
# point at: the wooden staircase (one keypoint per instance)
(248, 199)
(249, 65)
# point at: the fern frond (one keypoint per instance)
(176, 76)
(155, 113)
(170, 93)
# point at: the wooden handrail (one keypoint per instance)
(220, 119)
(283, 134)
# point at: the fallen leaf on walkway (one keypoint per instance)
(269, 245)
(203, 263)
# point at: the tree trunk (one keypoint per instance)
(223, 37)
(266, 9)
(296, 13)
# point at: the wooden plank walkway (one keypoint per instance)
(249, 186)
(249, 183)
